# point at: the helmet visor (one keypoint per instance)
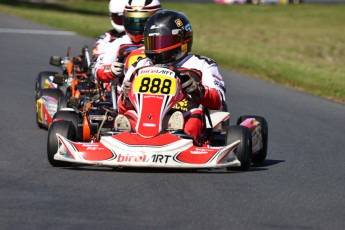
(161, 42)
(135, 21)
(116, 18)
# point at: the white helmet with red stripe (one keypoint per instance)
(136, 14)
(116, 8)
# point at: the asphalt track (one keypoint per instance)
(300, 186)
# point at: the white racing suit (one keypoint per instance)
(115, 51)
(102, 40)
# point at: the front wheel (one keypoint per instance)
(64, 128)
(244, 149)
(70, 116)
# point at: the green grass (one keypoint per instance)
(302, 46)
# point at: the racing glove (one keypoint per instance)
(124, 97)
(117, 69)
(189, 86)
(126, 88)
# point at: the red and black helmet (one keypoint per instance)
(168, 36)
(135, 15)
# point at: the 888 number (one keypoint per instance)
(155, 86)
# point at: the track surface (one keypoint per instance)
(301, 185)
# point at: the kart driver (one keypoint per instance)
(168, 40)
(116, 8)
(109, 65)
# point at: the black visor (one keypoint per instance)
(161, 42)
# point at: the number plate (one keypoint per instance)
(155, 84)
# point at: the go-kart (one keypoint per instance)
(53, 89)
(98, 136)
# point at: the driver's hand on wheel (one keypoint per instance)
(117, 69)
(189, 86)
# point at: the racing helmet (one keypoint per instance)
(168, 36)
(136, 14)
(116, 8)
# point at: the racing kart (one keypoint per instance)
(98, 136)
(53, 89)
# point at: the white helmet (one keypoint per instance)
(135, 16)
(116, 8)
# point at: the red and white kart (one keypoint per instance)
(155, 144)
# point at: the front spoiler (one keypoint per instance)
(167, 152)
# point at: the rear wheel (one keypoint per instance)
(244, 149)
(259, 156)
(64, 128)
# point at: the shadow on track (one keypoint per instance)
(255, 167)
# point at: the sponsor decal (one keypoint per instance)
(153, 96)
(182, 105)
(198, 152)
(156, 158)
(178, 22)
(159, 158)
(195, 155)
(50, 106)
(188, 27)
(149, 125)
(154, 27)
(201, 151)
(156, 71)
(131, 158)
(94, 148)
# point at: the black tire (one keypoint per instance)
(37, 122)
(70, 116)
(64, 128)
(260, 156)
(244, 148)
(54, 93)
(41, 78)
(63, 102)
